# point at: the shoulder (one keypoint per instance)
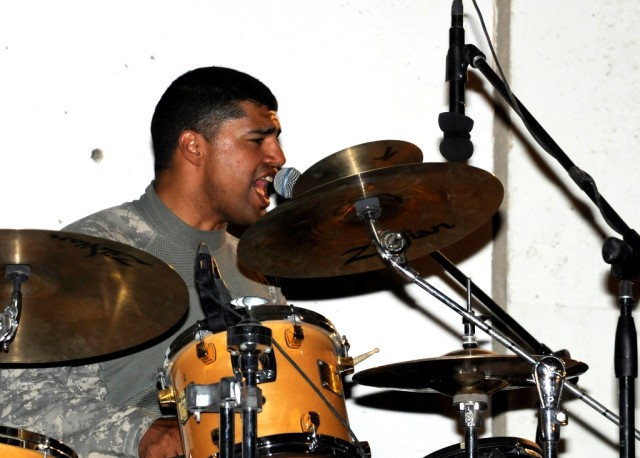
(121, 224)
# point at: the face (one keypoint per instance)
(241, 161)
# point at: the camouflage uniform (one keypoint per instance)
(102, 409)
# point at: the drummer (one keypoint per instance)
(216, 149)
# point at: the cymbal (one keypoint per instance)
(355, 160)
(85, 296)
(461, 371)
(318, 233)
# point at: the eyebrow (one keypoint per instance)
(267, 131)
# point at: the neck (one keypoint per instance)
(182, 199)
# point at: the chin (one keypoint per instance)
(249, 220)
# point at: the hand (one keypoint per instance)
(161, 440)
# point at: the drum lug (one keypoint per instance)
(295, 336)
(215, 439)
(345, 346)
(206, 352)
(310, 422)
(329, 378)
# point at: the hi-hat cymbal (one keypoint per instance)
(318, 234)
(85, 296)
(462, 371)
(355, 160)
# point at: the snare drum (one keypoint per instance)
(19, 443)
(490, 447)
(294, 420)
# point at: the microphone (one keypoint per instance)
(456, 144)
(285, 180)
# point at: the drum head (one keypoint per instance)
(493, 447)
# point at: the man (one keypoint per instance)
(216, 148)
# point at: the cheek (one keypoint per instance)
(234, 163)
(240, 166)
(233, 178)
(233, 172)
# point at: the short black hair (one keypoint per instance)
(201, 100)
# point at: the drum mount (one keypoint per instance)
(17, 273)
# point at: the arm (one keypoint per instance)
(161, 440)
(67, 404)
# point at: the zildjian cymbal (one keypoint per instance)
(85, 297)
(355, 160)
(462, 371)
(319, 234)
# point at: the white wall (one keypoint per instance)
(78, 76)
(574, 67)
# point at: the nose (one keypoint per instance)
(275, 155)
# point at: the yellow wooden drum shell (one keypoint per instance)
(288, 400)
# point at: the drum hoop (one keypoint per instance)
(495, 442)
(260, 313)
(33, 441)
(302, 443)
(282, 312)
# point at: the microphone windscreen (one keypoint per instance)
(456, 144)
(285, 180)
(456, 149)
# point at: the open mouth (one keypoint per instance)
(261, 185)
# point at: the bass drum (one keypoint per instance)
(295, 421)
(493, 447)
(19, 443)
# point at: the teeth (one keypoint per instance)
(269, 179)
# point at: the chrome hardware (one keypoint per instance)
(310, 422)
(347, 363)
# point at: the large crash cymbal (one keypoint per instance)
(462, 371)
(355, 160)
(318, 234)
(86, 297)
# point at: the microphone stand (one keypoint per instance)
(623, 255)
(456, 145)
(626, 366)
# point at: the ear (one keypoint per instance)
(190, 147)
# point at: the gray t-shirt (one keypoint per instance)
(149, 225)
(102, 410)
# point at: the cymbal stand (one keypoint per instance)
(471, 407)
(549, 374)
(391, 247)
(17, 273)
(506, 322)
